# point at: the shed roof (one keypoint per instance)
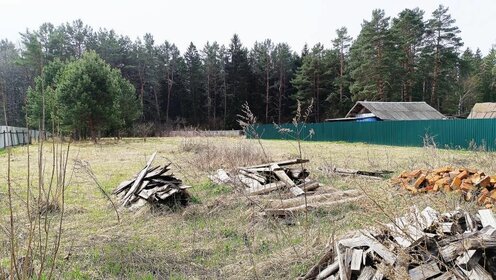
(396, 110)
(483, 111)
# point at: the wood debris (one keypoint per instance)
(472, 184)
(154, 186)
(417, 246)
(362, 174)
(266, 178)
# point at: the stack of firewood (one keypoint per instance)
(421, 245)
(154, 186)
(471, 183)
(289, 177)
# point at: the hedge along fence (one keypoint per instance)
(452, 134)
(14, 136)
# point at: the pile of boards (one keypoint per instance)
(153, 186)
(421, 245)
(471, 183)
(289, 177)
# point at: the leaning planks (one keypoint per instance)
(153, 186)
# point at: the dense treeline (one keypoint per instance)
(410, 57)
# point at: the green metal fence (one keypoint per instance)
(453, 134)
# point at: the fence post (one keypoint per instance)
(4, 144)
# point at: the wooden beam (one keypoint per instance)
(285, 178)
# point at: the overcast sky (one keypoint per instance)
(293, 21)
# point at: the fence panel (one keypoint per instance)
(14, 136)
(445, 133)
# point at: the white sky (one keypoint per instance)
(291, 21)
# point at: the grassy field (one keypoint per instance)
(220, 235)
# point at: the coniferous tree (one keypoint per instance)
(372, 60)
(442, 46)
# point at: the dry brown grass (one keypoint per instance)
(221, 236)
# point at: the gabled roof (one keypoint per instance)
(396, 110)
(483, 111)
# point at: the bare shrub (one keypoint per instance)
(210, 155)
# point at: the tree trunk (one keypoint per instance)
(209, 103)
(341, 71)
(170, 81)
(267, 93)
(225, 102)
(281, 89)
(157, 107)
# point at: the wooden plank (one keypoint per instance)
(293, 210)
(356, 260)
(469, 258)
(145, 194)
(263, 189)
(375, 246)
(367, 273)
(289, 183)
(446, 276)
(295, 201)
(138, 180)
(378, 275)
(248, 182)
(254, 176)
(280, 163)
(487, 218)
(477, 273)
(424, 271)
(122, 186)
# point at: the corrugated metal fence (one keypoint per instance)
(14, 136)
(462, 134)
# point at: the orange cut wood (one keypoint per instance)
(481, 198)
(419, 181)
(484, 182)
(444, 169)
(456, 183)
(433, 179)
(492, 194)
(462, 175)
(435, 188)
(466, 187)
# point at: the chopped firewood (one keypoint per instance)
(472, 185)
(442, 253)
(154, 186)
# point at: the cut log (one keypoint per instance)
(331, 269)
